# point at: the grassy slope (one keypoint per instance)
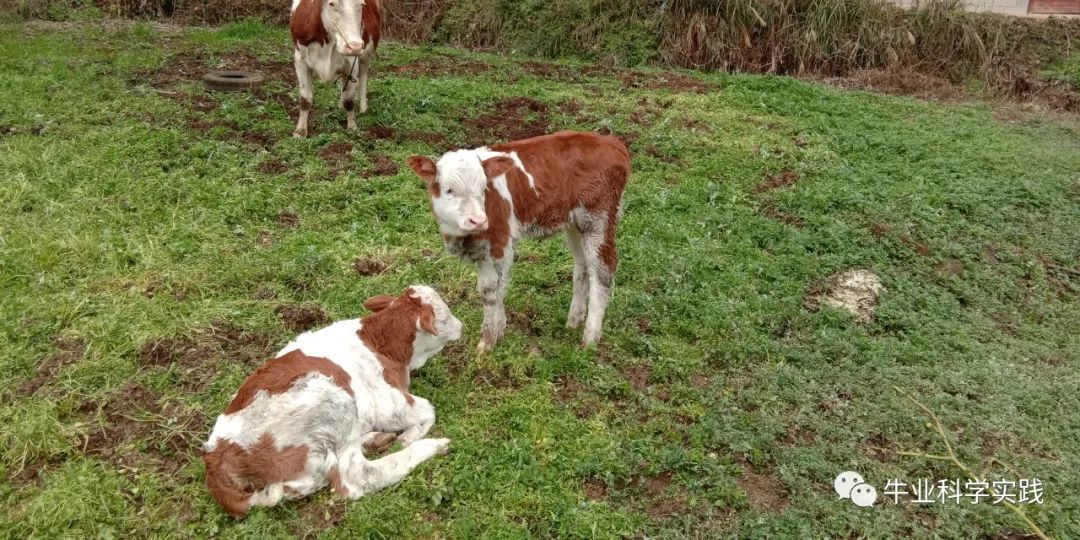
(717, 405)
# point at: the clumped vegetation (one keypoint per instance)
(820, 37)
(157, 242)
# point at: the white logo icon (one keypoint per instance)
(845, 481)
(851, 485)
(863, 495)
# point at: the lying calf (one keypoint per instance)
(301, 420)
(486, 199)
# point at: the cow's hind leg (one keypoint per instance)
(581, 278)
(307, 96)
(600, 261)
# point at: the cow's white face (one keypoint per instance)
(343, 20)
(457, 187)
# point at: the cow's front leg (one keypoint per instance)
(348, 94)
(415, 419)
(307, 97)
(362, 70)
(494, 279)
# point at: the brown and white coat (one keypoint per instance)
(301, 420)
(487, 198)
(334, 38)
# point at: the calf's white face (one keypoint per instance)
(342, 19)
(457, 187)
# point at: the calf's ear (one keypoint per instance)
(426, 322)
(498, 165)
(423, 167)
(378, 303)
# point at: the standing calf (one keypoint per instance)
(334, 38)
(301, 420)
(486, 199)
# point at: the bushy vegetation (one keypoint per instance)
(824, 37)
(158, 242)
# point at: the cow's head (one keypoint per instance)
(421, 309)
(343, 20)
(457, 186)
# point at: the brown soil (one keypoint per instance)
(69, 352)
(508, 122)
(440, 66)
(383, 166)
(880, 448)
(273, 166)
(301, 318)
(288, 219)
(666, 81)
(771, 211)
(880, 230)
(526, 319)
(782, 179)
(336, 151)
(919, 247)
(700, 380)
(656, 485)
(315, 515)
(191, 66)
(950, 267)
(638, 376)
(196, 356)
(765, 492)
(667, 507)
(551, 72)
(644, 325)
(368, 267)
(32, 472)
(595, 489)
(796, 435)
(655, 152)
(501, 377)
(574, 396)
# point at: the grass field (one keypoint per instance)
(157, 243)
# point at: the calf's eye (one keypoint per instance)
(449, 191)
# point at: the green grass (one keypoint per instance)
(717, 405)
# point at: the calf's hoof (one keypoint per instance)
(485, 346)
(433, 447)
(380, 443)
(299, 134)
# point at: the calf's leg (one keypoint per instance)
(303, 78)
(581, 278)
(493, 280)
(362, 70)
(360, 477)
(600, 261)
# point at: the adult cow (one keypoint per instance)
(334, 38)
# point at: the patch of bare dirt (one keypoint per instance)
(780, 180)
(879, 448)
(196, 356)
(288, 219)
(667, 507)
(336, 151)
(950, 268)
(700, 380)
(513, 119)
(796, 435)
(771, 211)
(880, 230)
(638, 376)
(656, 484)
(764, 491)
(382, 165)
(655, 152)
(32, 472)
(551, 72)
(920, 247)
(302, 318)
(13, 130)
(368, 267)
(440, 66)
(526, 319)
(595, 489)
(574, 396)
(644, 325)
(676, 82)
(855, 291)
(273, 166)
(317, 515)
(69, 352)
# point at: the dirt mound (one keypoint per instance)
(382, 166)
(70, 351)
(302, 318)
(764, 492)
(513, 119)
(438, 66)
(368, 267)
(779, 180)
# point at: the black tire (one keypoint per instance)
(231, 81)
